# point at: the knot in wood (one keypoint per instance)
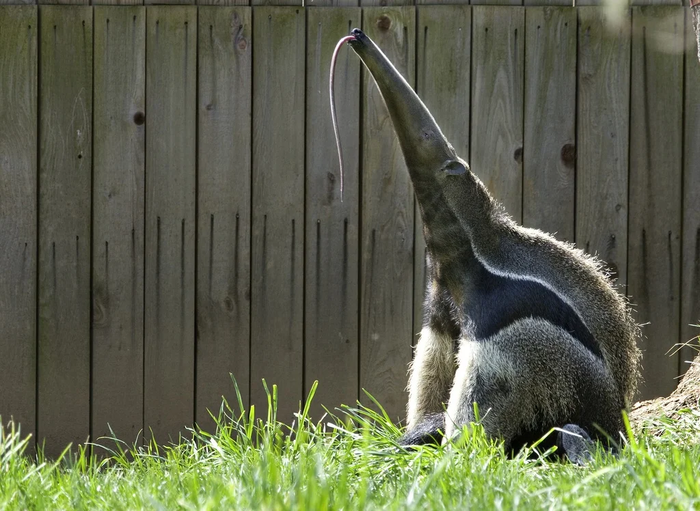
(139, 118)
(568, 155)
(383, 22)
(518, 155)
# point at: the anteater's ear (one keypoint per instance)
(455, 167)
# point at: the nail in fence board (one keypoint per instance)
(223, 239)
(549, 157)
(444, 85)
(386, 305)
(18, 210)
(602, 133)
(331, 311)
(170, 219)
(277, 292)
(656, 153)
(690, 280)
(118, 209)
(497, 103)
(64, 226)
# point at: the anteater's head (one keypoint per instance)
(428, 154)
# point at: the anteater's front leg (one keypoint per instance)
(430, 376)
(433, 369)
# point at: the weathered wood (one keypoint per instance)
(65, 128)
(18, 215)
(549, 158)
(694, 21)
(223, 213)
(334, 3)
(690, 277)
(289, 3)
(169, 2)
(118, 209)
(117, 2)
(18, 2)
(568, 3)
(386, 286)
(509, 3)
(602, 133)
(171, 74)
(657, 2)
(497, 103)
(443, 83)
(332, 248)
(385, 3)
(442, 3)
(655, 190)
(63, 2)
(222, 3)
(277, 294)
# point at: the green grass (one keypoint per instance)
(349, 461)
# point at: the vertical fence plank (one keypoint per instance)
(278, 207)
(690, 280)
(64, 226)
(118, 203)
(331, 312)
(170, 219)
(444, 84)
(550, 120)
(655, 189)
(602, 132)
(18, 214)
(223, 239)
(386, 304)
(497, 103)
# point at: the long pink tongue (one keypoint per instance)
(334, 117)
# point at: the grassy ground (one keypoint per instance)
(350, 462)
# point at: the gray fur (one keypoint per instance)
(575, 362)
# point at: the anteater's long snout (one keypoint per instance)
(359, 35)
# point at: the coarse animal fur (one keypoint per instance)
(525, 326)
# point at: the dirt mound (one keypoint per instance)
(686, 395)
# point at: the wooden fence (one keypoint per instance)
(170, 213)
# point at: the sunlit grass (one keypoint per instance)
(350, 460)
